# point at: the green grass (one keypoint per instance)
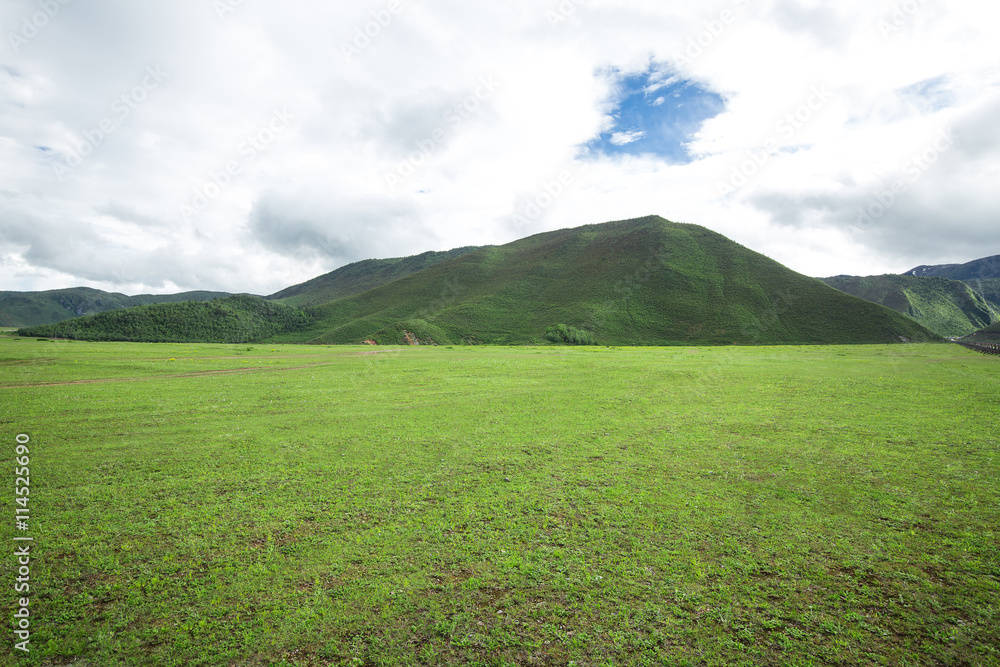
(284, 505)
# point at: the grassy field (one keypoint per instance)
(284, 505)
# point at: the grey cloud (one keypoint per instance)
(794, 210)
(126, 213)
(977, 134)
(44, 241)
(433, 117)
(344, 231)
(400, 126)
(915, 227)
(72, 247)
(820, 21)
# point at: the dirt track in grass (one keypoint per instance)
(162, 377)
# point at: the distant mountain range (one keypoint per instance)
(23, 309)
(949, 299)
(27, 309)
(646, 281)
(983, 275)
(986, 268)
(947, 307)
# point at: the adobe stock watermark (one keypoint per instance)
(121, 275)
(372, 30)
(225, 7)
(700, 43)
(449, 293)
(900, 16)
(626, 288)
(549, 190)
(787, 127)
(452, 119)
(32, 25)
(754, 328)
(22, 550)
(561, 13)
(222, 178)
(985, 270)
(121, 108)
(377, 359)
(913, 169)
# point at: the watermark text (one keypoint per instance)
(22, 550)
(122, 107)
(372, 30)
(220, 179)
(32, 25)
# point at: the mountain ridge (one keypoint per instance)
(947, 307)
(642, 281)
(981, 269)
(21, 309)
(361, 276)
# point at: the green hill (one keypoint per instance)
(361, 276)
(235, 319)
(989, 288)
(25, 309)
(983, 275)
(990, 333)
(946, 307)
(644, 282)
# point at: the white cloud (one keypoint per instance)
(625, 138)
(315, 195)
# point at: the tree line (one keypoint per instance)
(235, 319)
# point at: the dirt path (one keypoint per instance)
(164, 377)
(280, 356)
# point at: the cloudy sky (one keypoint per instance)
(245, 145)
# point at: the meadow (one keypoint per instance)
(315, 505)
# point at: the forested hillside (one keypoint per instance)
(28, 309)
(235, 319)
(947, 307)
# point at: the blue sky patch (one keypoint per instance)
(656, 113)
(930, 95)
